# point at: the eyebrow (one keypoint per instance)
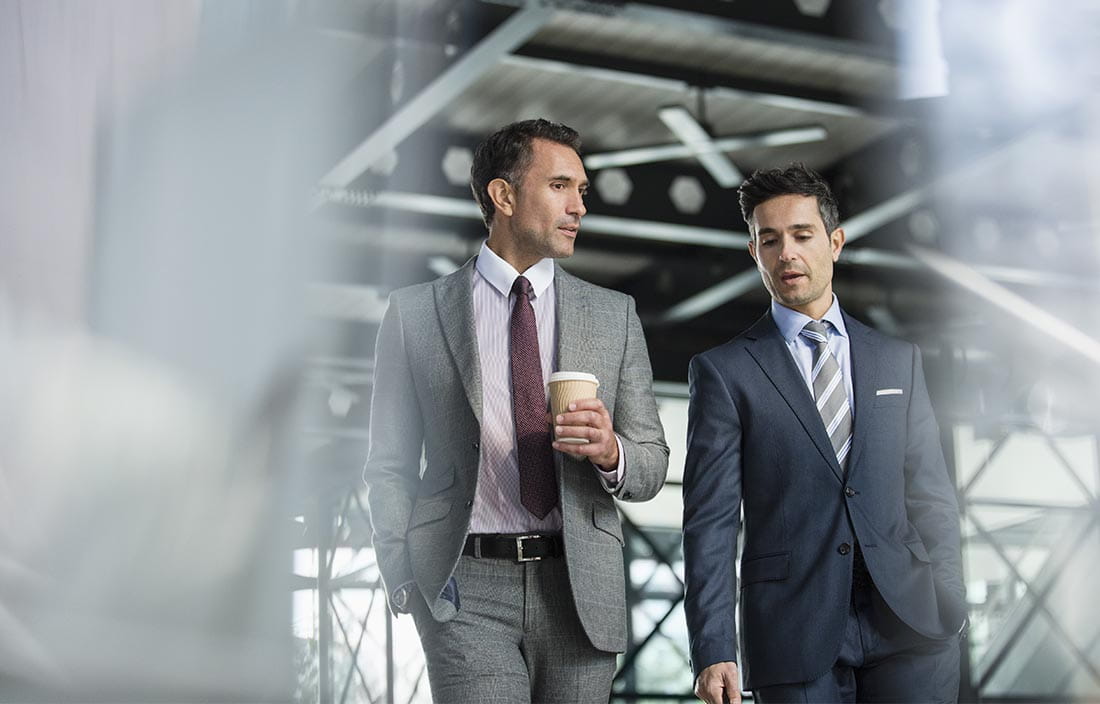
(793, 228)
(568, 179)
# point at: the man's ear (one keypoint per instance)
(752, 246)
(503, 196)
(836, 242)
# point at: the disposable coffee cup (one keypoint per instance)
(567, 387)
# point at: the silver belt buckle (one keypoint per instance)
(477, 547)
(520, 557)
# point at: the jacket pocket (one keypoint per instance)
(768, 568)
(429, 511)
(919, 551)
(606, 518)
(891, 400)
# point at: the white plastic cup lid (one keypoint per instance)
(573, 376)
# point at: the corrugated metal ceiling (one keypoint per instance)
(616, 109)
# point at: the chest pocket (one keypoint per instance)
(892, 400)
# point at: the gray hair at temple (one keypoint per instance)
(507, 154)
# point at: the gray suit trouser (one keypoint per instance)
(515, 640)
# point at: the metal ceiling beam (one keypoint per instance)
(673, 80)
(439, 245)
(860, 225)
(600, 224)
(437, 94)
(666, 152)
(885, 259)
(679, 234)
(695, 137)
(1052, 327)
(785, 95)
(711, 298)
(667, 14)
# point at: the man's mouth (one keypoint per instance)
(789, 276)
(569, 230)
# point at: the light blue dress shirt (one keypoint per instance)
(790, 324)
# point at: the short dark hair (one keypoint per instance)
(794, 179)
(507, 154)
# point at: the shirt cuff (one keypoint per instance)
(613, 480)
(405, 609)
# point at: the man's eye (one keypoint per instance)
(767, 243)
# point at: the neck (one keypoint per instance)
(505, 248)
(815, 309)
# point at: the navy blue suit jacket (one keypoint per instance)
(757, 443)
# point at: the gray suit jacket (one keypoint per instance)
(427, 401)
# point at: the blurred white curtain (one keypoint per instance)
(152, 185)
(66, 65)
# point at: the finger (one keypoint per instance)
(589, 418)
(732, 688)
(577, 431)
(710, 693)
(587, 404)
(589, 449)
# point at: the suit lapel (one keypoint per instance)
(771, 353)
(454, 300)
(865, 378)
(573, 353)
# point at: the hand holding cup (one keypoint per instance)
(582, 425)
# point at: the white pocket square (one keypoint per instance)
(889, 392)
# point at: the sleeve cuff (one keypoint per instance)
(402, 608)
(613, 480)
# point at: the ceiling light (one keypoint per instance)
(691, 133)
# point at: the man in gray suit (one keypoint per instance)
(507, 547)
(816, 433)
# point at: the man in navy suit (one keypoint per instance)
(819, 430)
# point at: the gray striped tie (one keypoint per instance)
(830, 393)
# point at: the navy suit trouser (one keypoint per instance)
(881, 660)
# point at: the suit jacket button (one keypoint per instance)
(844, 548)
(476, 445)
(849, 491)
(469, 504)
(627, 495)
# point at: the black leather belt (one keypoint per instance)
(521, 548)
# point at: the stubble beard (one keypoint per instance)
(550, 245)
(794, 299)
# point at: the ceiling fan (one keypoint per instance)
(696, 141)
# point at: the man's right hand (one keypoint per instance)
(719, 683)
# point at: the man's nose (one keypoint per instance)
(788, 251)
(576, 206)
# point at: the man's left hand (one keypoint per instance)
(588, 419)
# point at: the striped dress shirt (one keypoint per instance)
(497, 507)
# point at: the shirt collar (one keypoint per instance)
(501, 275)
(790, 322)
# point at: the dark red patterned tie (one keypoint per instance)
(538, 491)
